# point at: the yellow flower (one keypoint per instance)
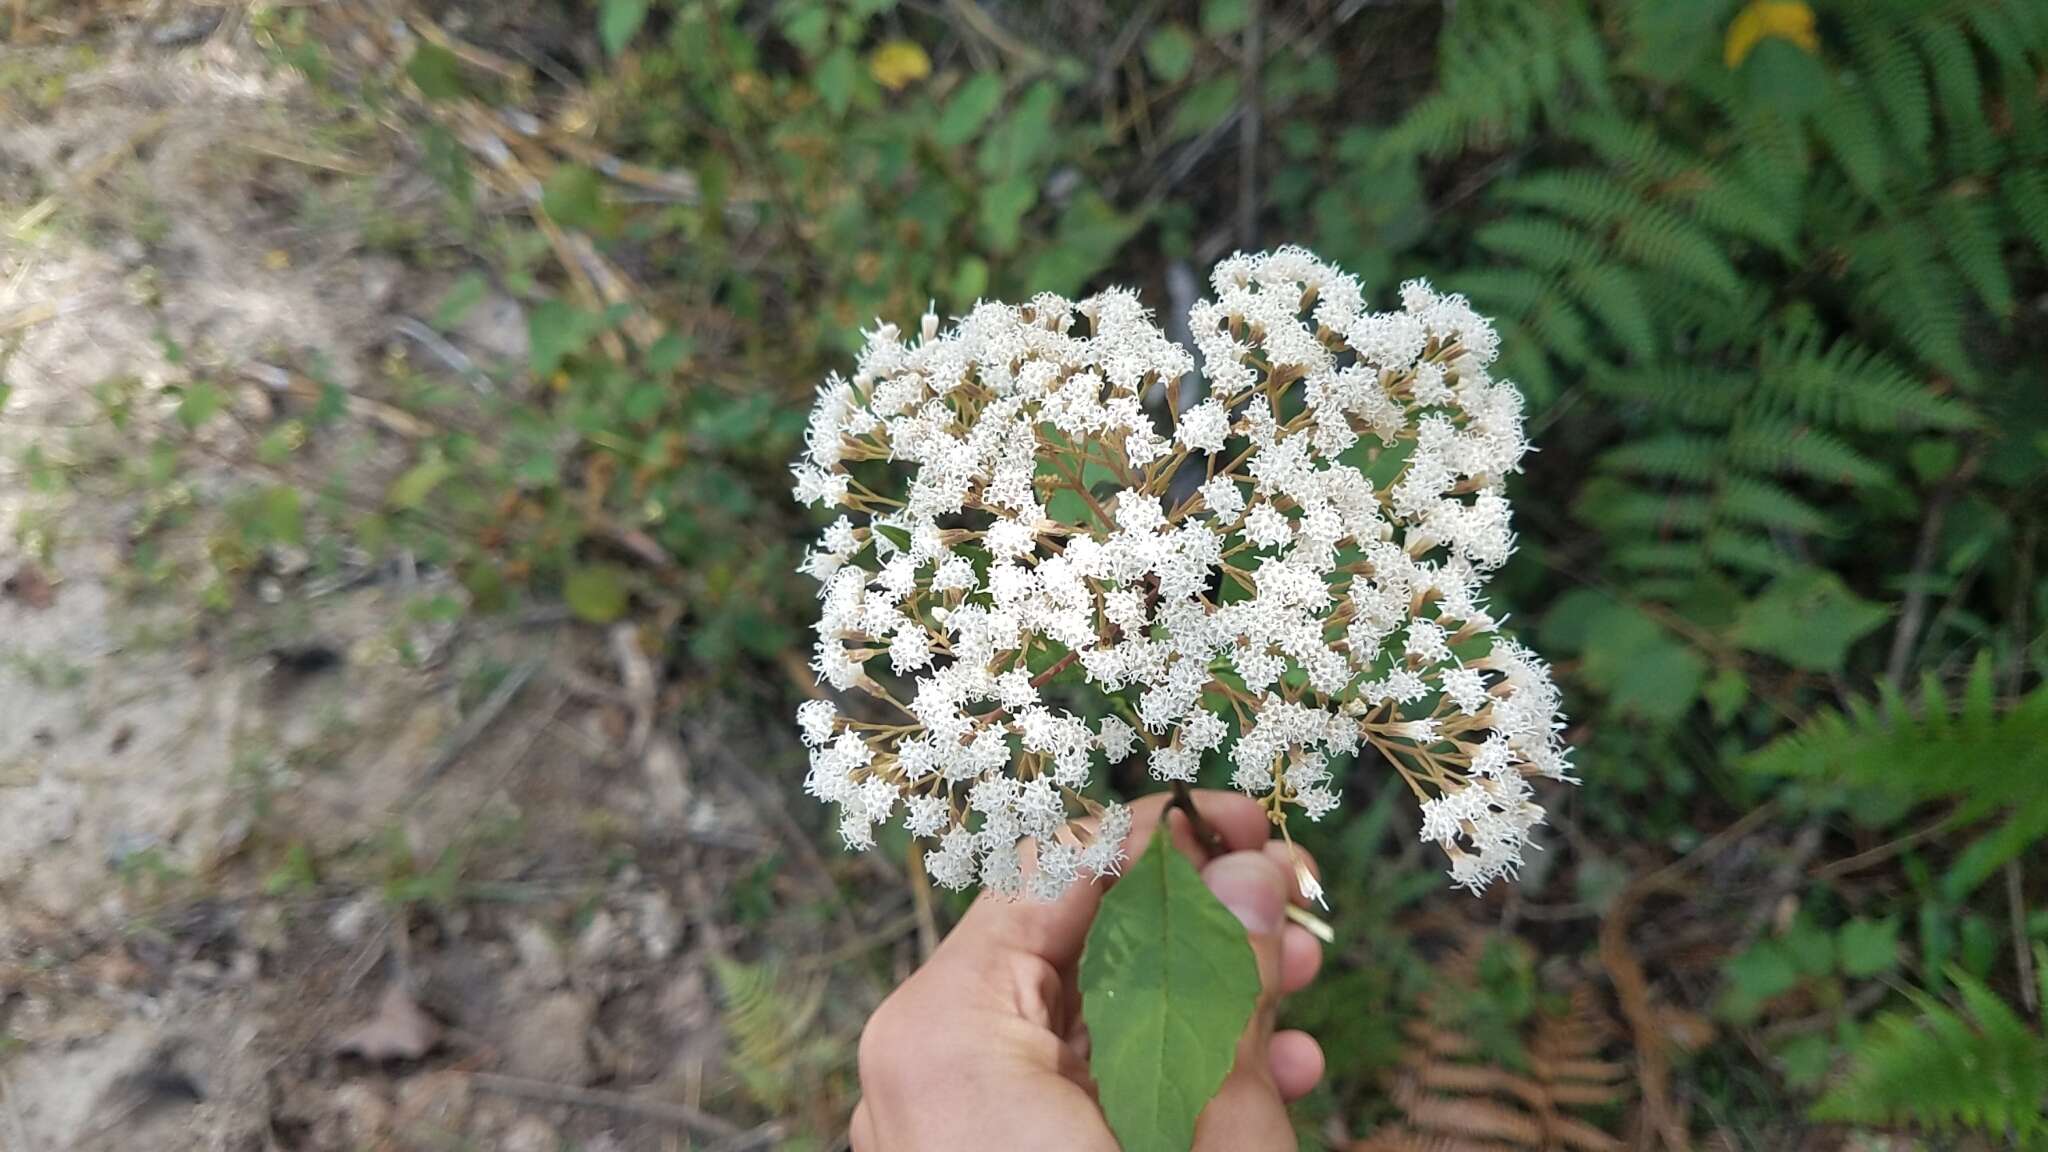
(896, 64)
(1762, 19)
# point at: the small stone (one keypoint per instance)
(659, 926)
(599, 941)
(540, 957)
(531, 1134)
(352, 920)
(550, 1040)
(432, 1110)
(362, 1114)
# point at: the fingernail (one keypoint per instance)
(1252, 887)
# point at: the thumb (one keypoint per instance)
(1247, 1113)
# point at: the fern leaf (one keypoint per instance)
(1960, 95)
(1846, 385)
(1585, 195)
(1748, 552)
(1969, 231)
(1848, 125)
(1538, 241)
(1795, 450)
(1980, 1068)
(2026, 197)
(1690, 394)
(1898, 82)
(1662, 240)
(1613, 295)
(1764, 503)
(1672, 455)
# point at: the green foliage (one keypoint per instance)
(1168, 982)
(1979, 1067)
(1984, 760)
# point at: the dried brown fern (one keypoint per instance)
(1452, 1098)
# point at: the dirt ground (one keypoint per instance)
(315, 873)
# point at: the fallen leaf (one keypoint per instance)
(400, 1030)
(30, 586)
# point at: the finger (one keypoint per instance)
(860, 1132)
(1056, 931)
(1248, 1113)
(1301, 957)
(1294, 859)
(1296, 1061)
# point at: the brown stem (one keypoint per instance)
(1205, 834)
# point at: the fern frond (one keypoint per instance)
(1900, 279)
(1969, 232)
(1765, 503)
(1981, 761)
(1959, 93)
(1538, 241)
(1660, 239)
(1747, 552)
(1848, 125)
(1614, 297)
(1726, 202)
(1693, 395)
(1586, 195)
(2026, 197)
(1671, 455)
(1898, 82)
(1845, 385)
(1979, 1068)
(1796, 450)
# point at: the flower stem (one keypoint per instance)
(1205, 835)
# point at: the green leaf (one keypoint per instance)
(280, 516)
(1002, 211)
(835, 78)
(1644, 670)
(412, 489)
(1204, 107)
(574, 197)
(1808, 619)
(1170, 52)
(968, 109)
(202, 399)
(1168, 982)
(1869, 947)
(1222, 17)
(555, 332)
(596, 592)
(436, 72)
(617, 23)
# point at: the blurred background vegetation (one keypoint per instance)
(1771, 274)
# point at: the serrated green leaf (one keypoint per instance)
(1168, 982)
(596, 592)
(1808, 619)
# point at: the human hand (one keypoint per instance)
(984, 1047)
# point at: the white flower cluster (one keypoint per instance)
(1289, 572)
